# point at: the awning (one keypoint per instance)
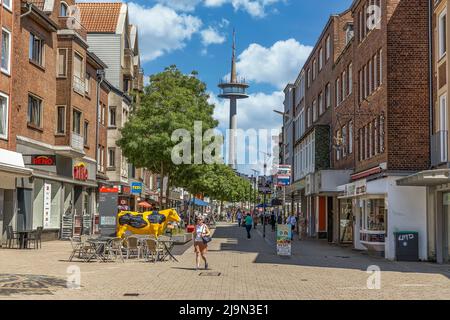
(199, 202)
(144, 204)
(426, 178)
(12, 163)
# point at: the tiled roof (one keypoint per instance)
(100, 16)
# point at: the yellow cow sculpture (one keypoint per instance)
(147, 223)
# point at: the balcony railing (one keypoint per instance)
(439, 148)
(77, 142)
(78, 84)
(71, 23)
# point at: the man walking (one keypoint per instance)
(292, 221)
(239, 217)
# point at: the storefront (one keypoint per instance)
(345, 221)
(11, 167)
(379, 209)
(437, 184)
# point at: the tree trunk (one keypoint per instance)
(161, 187)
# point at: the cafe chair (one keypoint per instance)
(11, 237)
(114, 249)
(131, 246)
(35, 238)
(153, 249)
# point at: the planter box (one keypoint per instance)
(182, 238)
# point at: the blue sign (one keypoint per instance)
(136, 187)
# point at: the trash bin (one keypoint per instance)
(407, 245)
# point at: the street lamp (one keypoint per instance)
(264, 193)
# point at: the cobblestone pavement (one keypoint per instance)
(249, 269)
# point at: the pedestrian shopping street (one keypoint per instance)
(241, 269)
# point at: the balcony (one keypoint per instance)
(78, 85)
(128, 65)
(77, 142)
(71, 23)
(439, 148)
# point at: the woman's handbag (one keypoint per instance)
(206, 239)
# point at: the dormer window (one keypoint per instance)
(349, 33)
(64, 9)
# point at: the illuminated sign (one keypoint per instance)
(43, 160)
(136, 187)
(80, 172)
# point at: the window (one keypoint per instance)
(314, 69)
(76, 124)
(321, 108)
(320, 59)
(78, 82)
(370, 140)
(366, 143)
(104, 115)
(314, 111)
(338, 90)
(7, 4)
(6, 51)
(370, 77)
(309, 78)
(380, 67)
(376, 71)
(328, 48)
(86, 133)
(338, 150)
(4, 105)
(63, 12)
(34, 111)
(443, 126)
(381, 122)
(60, 120)
(112, 116)
(36, 50)
(344, 141)
(350, 137)
(111, 157)
(366, 93)
(344, 85)
(442, 37)
(62, 63)
(360, 148)
(87, 84)
(349, 33)
(376, 137)
(350, 79)
(361, 90)
(328, 95)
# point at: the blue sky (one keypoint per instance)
(274, 38)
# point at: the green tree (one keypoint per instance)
(171, 101)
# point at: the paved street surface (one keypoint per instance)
(249, 269)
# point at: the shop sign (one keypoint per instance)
(284, 235)
(47, 205)
(125, 189)
(43, 160)
(109, 190)
(136, 187)
(358, 188)
(80, 172)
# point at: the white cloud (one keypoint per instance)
(181, 5)
(211, 36)
(256, 8)
(277, 65)
(256, 112)
(162, 29)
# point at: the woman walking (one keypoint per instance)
(201, 246)
(248, 225)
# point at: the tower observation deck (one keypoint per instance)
(233, 90)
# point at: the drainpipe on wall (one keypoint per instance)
(30, 8)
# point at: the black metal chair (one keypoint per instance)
(35, 238)
(11, 237)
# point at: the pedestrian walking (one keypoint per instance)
(280, 218)
(248, 225)
(273, 220)
(200, 244)
(292, 221)
(239, 217)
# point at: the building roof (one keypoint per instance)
(101, 17)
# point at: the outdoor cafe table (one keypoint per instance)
(168, 245)
(23, 238)
(99, 246)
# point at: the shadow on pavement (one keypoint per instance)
(314, 253)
